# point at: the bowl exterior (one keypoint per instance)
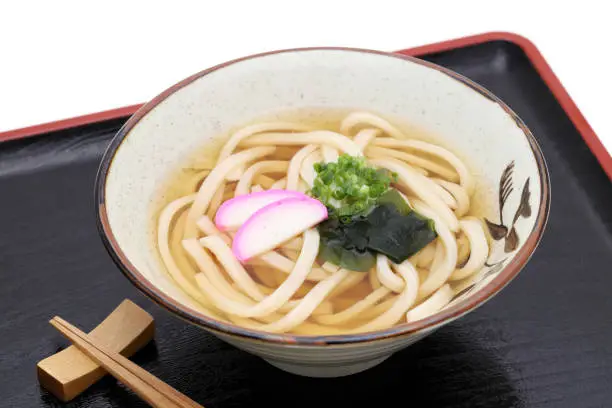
(331, 361)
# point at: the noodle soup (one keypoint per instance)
(309, 282)
(326, 239)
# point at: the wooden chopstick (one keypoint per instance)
(150, 388)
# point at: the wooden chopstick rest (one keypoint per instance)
(150, 388)
(69, 372)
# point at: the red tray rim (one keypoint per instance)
(532, 52)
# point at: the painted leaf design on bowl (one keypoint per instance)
(502, 232)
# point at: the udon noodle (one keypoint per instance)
(290, 289)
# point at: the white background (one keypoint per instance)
(60, 59)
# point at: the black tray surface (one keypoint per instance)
(546, 341)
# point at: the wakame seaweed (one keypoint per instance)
(391, 228)
(398, 236)
(346, 243)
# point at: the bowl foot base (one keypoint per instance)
(324, 371)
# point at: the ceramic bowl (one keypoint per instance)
(464, 116)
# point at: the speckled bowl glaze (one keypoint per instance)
(508, 164)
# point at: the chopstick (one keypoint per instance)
(150, 388)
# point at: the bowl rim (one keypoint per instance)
(509, 272)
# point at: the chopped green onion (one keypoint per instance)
(349, 186)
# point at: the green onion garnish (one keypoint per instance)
(349, 186)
